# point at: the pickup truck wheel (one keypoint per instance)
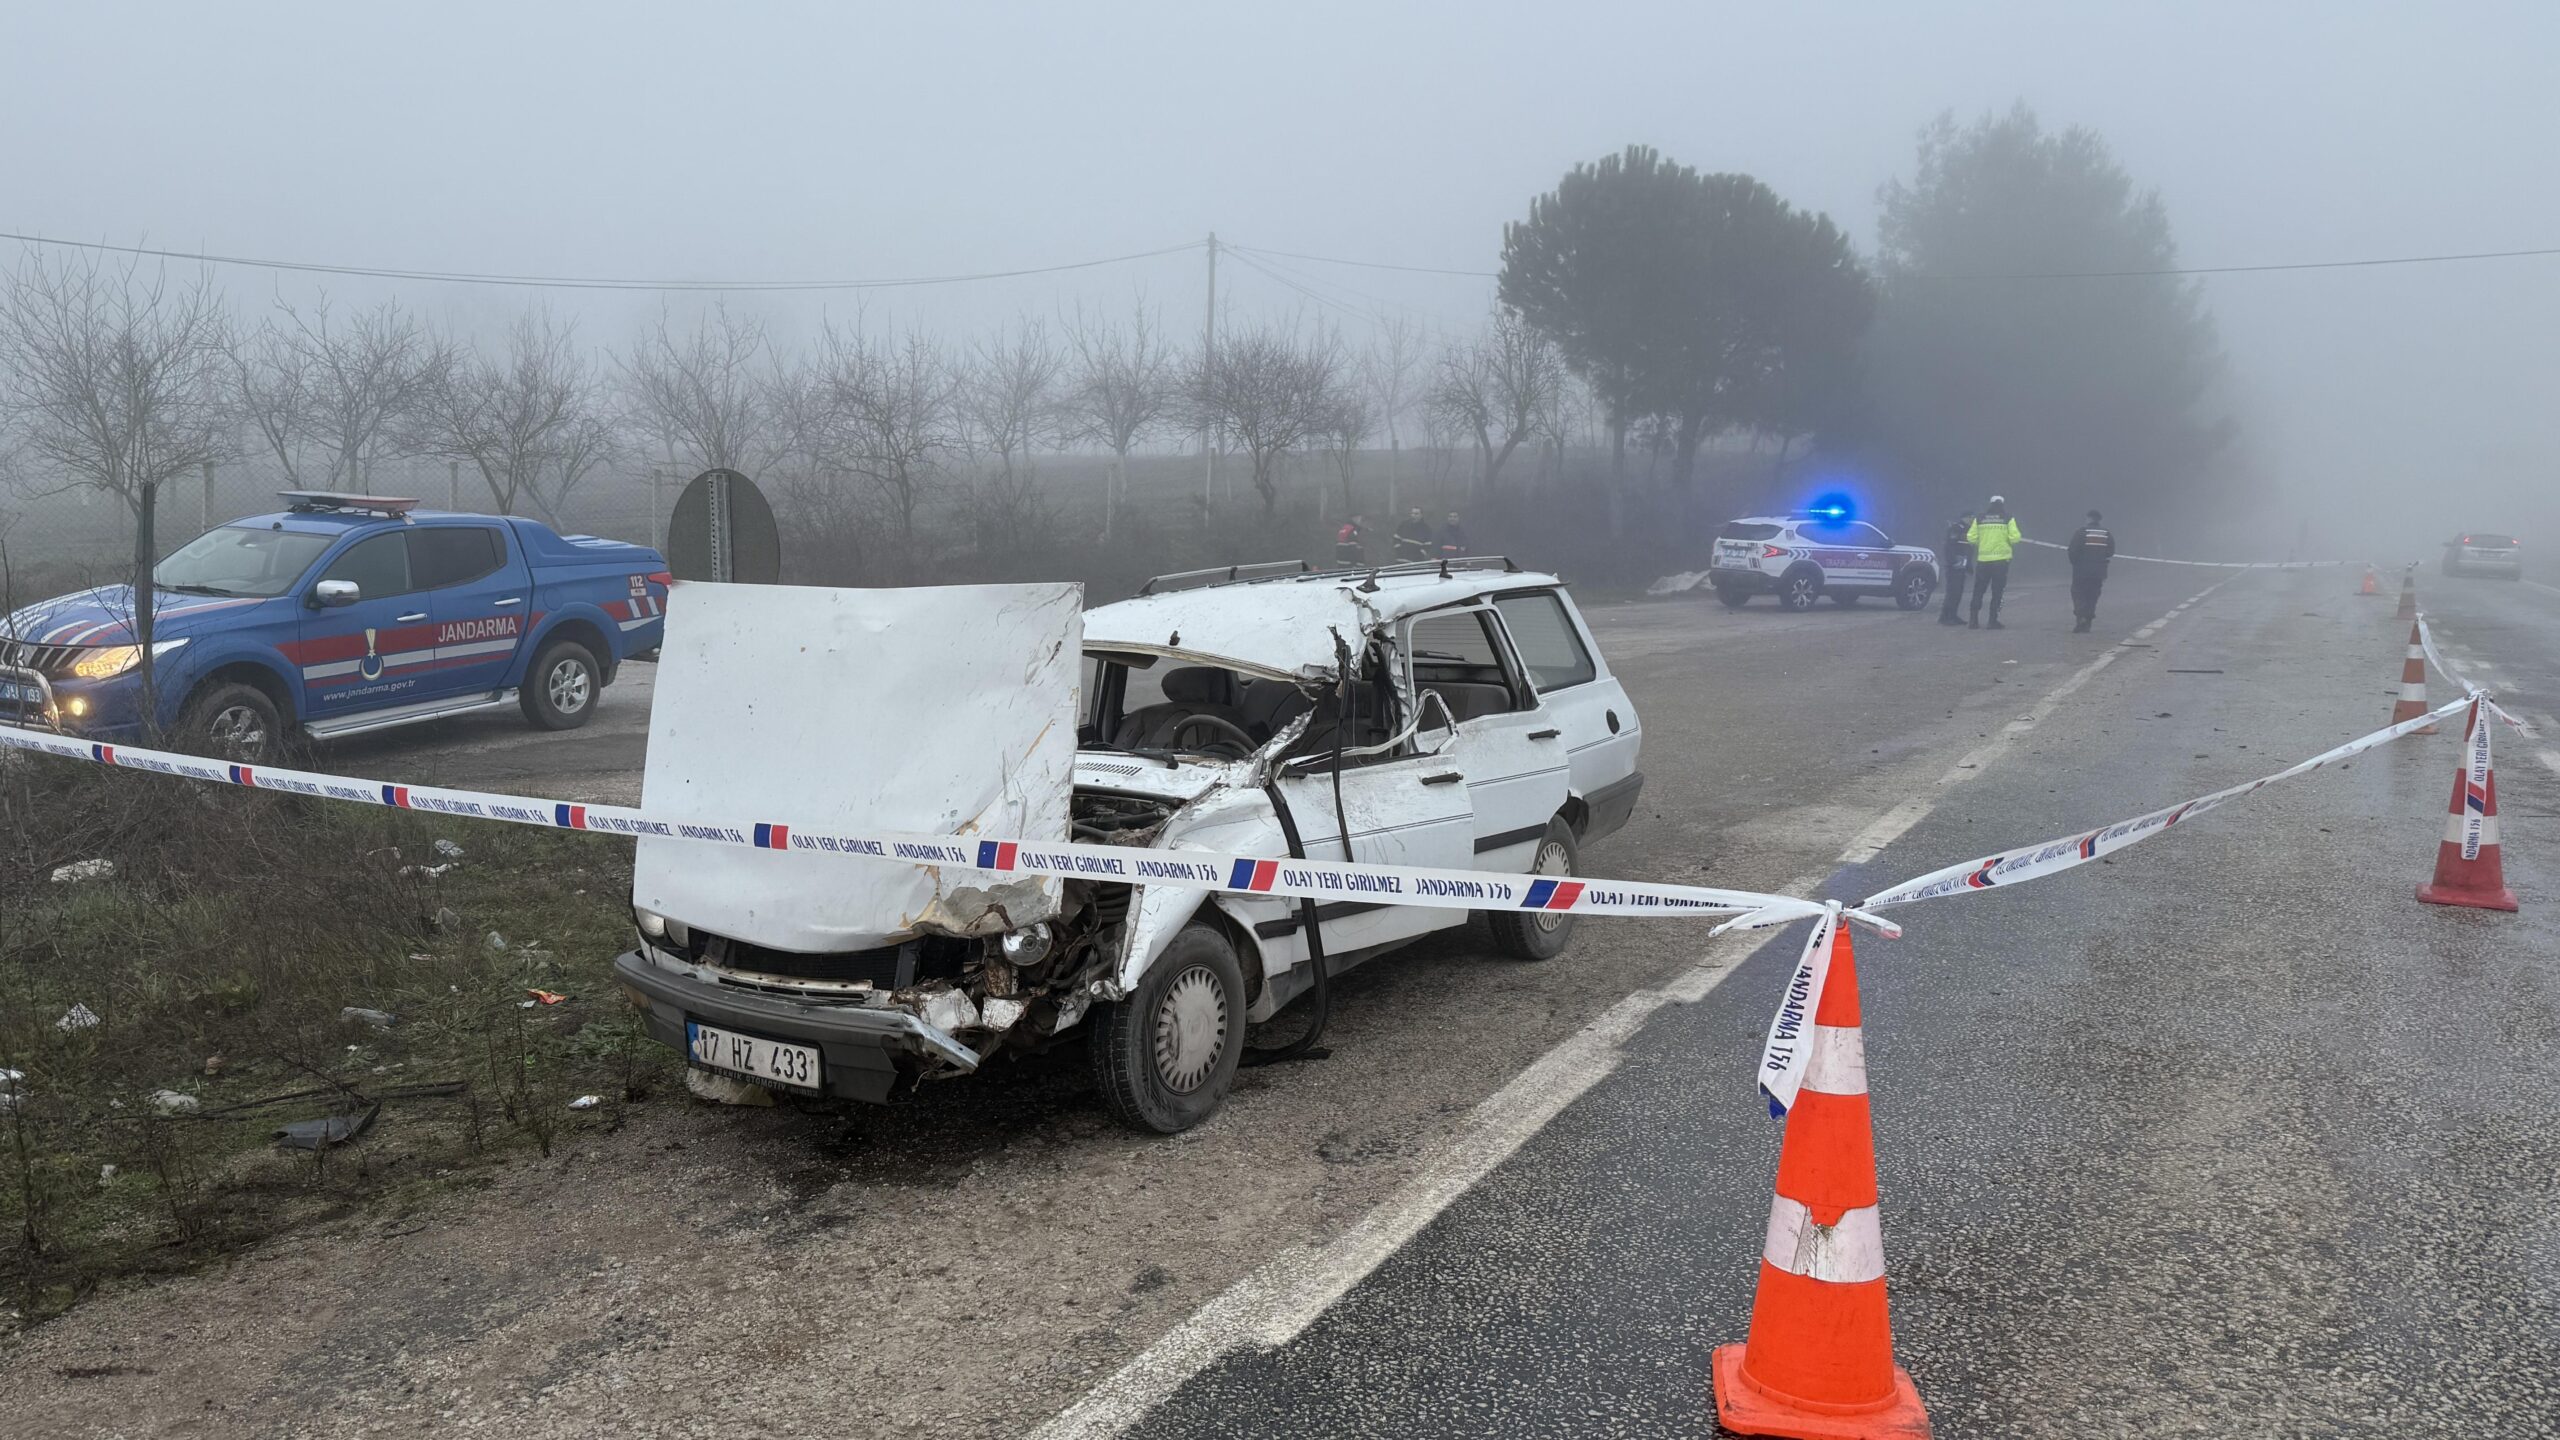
(1165, 1056)
(1539, 934)
(560, 689)
(233, 721)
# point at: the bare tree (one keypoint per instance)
(1120, 383)
(890, 414)
(705, 394)
(1269, 389)
(117, 380)
(1499, 389)
(1391, 368)
(329, 398)
(1350, 418)
(529, 419)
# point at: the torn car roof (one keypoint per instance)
(1284, 626)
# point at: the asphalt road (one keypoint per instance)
(2224, 1136)
(2157, 1136)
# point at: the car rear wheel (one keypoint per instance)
(1798, 589)
(1913, 590)
(234, 721)
(1540, 934)
(1733, 596)
(560, 689)
(1165, 1057)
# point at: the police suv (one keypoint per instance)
(1802, 557)
(340, 614)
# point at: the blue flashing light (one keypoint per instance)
(1837, 508)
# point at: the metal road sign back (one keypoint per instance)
(722, 529)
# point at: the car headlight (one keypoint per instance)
(652, 924)
(108, 661)
(1025, 946)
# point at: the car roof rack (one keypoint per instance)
(1224, 575)
(308, 502)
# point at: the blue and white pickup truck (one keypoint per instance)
(340, 614)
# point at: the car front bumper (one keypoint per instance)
(865, 1051)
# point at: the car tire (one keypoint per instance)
(1540, 934)
(1913, 590)
(233, 720)
(1798, 589)
(1166, 1056)
(1733, 596)
(560, 689)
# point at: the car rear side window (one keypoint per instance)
(1544, 636)
(378, 564)
(443, 555)
(1739, 530)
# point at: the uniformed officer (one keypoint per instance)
(1994, 536)
(1959, 547)
(1413, 537)
(2091, 548)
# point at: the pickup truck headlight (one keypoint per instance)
(108, 661)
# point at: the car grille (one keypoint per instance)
(28, 655)
(892, 967)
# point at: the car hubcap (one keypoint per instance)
(568, 687)
(1551, 861)
(1799, 594)
(238, 730)
(1191, 1029)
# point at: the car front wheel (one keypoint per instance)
(234, 721)
(1540, 934)
(560, 689)
(1165, 1057)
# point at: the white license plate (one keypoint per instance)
(753, 1056)
(1731, 560)
(16, 694)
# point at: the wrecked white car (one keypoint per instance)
(1461, 714)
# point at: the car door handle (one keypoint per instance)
(406, 619)
(1449, 778)
(1544, 734)
(510, 600)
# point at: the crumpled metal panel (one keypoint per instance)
(945, 710)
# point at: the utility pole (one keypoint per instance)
(453, 484)
(206, 514)
(1208, 363)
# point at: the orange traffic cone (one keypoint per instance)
(2413, 685)
(2372, 583)
(2468, 870)
(2409, 595)
(1819, 1361)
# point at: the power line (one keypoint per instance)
(574, 282)
(2358, 264)
(2244, 269)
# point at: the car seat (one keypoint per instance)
(1188, 691)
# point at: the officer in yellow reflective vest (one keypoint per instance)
(1994, 537)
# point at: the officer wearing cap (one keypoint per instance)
(1959, 544)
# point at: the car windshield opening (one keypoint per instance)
(239, 560)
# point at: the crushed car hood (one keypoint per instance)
(948, 710)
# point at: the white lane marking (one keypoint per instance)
(1891, 825)
(1271, 1306)
(2459, 662)
(2551, 758)
(2538, 585)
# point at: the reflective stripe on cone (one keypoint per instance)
(2413, 684)
(2469, 871)
(1819, 1361)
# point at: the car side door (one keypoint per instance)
(1507, 744)
(1400, 807)
(1601, 735)
(476, 581)
(370, 649)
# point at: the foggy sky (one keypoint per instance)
(825, 141)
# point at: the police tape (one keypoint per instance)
(2208, 564)
(2069, 852)
(2427, 644)
(1277, 877)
